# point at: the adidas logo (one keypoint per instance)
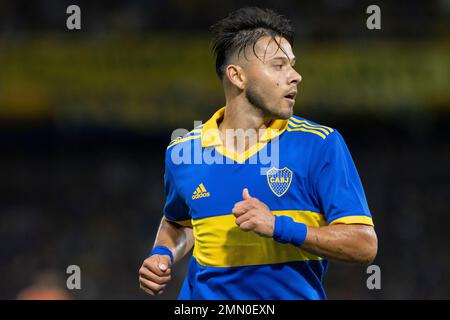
(200, 192)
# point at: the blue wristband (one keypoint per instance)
(162, 250)
(286, 230)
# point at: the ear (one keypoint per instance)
(235, 75)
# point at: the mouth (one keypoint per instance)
(291, 96)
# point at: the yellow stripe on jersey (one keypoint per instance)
(354, 220)
(183, 223)
(196, 134)
(219, 242)
(306, 122)
(307, 126)
(179, 140)
(320, 134)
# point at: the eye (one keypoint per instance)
(279, 66)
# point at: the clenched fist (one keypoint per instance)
(154, 274)
(253, 215)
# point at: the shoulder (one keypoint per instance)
(181, 148)
(298, 126)
(190, 136)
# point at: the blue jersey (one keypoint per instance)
(298, 168)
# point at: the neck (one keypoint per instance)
(242, 115)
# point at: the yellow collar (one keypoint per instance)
(211, 136)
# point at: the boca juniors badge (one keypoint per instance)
(279, 180)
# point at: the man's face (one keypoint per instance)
(270, 79)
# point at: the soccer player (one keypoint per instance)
(258, 233)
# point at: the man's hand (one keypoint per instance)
(253, 215)
(154, 274)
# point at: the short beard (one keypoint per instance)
(256, 100)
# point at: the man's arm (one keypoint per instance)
(177, 238)
(344, 242)
(156, 269)
(349, 243)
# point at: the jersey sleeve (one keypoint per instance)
(175, 208)
(337, 184)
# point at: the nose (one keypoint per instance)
(295, 77)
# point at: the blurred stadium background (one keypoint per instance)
(85, 117)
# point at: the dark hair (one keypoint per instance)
(245, 27)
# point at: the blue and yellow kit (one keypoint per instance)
(314, 182)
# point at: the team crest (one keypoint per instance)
(279, 180)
